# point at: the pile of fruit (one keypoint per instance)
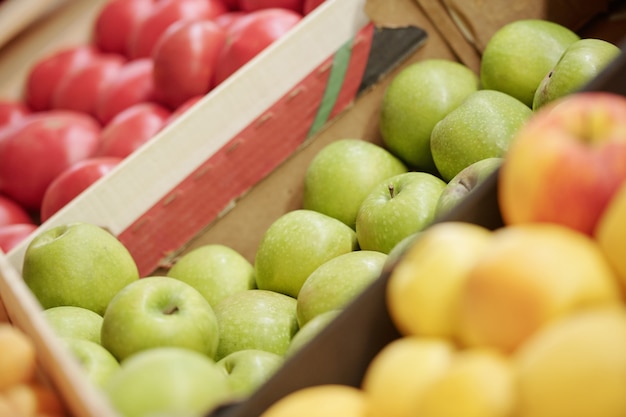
(216, 326)
(22, 393)
(86, 107)
(528, 319)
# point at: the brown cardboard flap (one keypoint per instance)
(477, 20)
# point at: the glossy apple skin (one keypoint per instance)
(12, 235)
(185, 59)
(328, 288)
(48, 72)
(159, 311)
(42, 147)
(253, 5)
(250, 35)
(131, 128)
(566, 164)
(116, 21)
(166, 12)
(396, 208)
(582, 61)
(12, 112)
(256, 319)
(80, 90)
(73, 181)
(228, 19)
(188, 383)
(180, 110)
(79, 264)
(295, 245)
(248, 369)
(11, 212)
(343, 173)
(133, 84)
(310, 5)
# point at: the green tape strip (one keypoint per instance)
(338, 70)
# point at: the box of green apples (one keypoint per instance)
(212, 165)
(153, 200)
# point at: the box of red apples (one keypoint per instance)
(207, 162)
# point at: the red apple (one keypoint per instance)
(250, 35)
(12, 112)
(131, 128)
(132, 84)
(48, 72)
(11, 212)
(79, 91)
(253, 5)
(227, 20)
(73, 181)
(40, 148)
(180, 110)
(566, 163)
(231, 4)
(165, 13)
(13, 234)
(310, 5)
(116, 21)
(185, 59)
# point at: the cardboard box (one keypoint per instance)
(231, 166)
(473, 22)
(197, 170)
(342, 351)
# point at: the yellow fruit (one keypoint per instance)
(30, 399)
(479, 383)
(6, 410)
(17, 356)
(576, 367)
(401, 371)
(320, 401)
(530, 275)
(610, 233)
(424, 288)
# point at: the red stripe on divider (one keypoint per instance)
(245, 160)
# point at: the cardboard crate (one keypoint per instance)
(342, 351)
(224, 172)
(473, 22)
(172, 190)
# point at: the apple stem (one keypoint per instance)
(392, 190)
(170, 310)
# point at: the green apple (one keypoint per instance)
(297, 243)
(396, 208)
(248, 369)
(417, 98)
(342, 174)
(159, 311)
(74, 322)
(337, 282)
(99, 364)
(520, 54)
(215, 270)
(311, 329)
(168, 381)
(465, 182)
(401, 247)
(482, 127)
(256, 319)
(581, 62)
(78, 264)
